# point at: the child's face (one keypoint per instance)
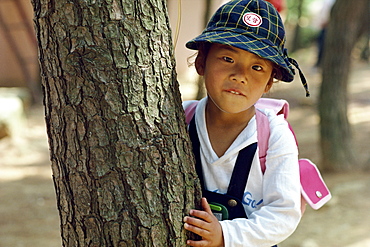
(235, 79)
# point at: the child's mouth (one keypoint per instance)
(234, 92)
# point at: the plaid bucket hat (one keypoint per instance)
(254, 26)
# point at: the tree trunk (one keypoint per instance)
(121, 160)
(347, 22)
(296, 43)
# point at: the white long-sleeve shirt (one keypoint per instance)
(271, 200)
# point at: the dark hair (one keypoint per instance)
(276, 71)
(203, 48)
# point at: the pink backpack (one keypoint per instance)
(313, 188)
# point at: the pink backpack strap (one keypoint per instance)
(279, 106)
(190, 111)
(263, 135)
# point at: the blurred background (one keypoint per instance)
(28, 214)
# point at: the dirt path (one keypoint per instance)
(28, 214)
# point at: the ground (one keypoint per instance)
(28, 207)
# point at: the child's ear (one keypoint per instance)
(200, 63)
(269, 84)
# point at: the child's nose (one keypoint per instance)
(238, 75)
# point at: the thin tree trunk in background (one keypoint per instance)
(347, 22)
(296, 43)
(121, 159)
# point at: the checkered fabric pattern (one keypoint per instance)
(266, 40)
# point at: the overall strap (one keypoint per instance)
(241, 170)
(196, 150)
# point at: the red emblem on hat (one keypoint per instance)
(252, 19)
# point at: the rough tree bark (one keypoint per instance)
(121, 160)
(347, 22)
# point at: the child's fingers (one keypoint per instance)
(206, 206)
(205, 225)
(196, 243)
(204, 215)
(197, 230)
(196, 222)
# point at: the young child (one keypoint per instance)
(239, 54)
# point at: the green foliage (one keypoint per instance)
(308, 36)
(300, 17)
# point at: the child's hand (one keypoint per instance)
(205, 225)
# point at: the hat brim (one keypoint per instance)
(249, 42)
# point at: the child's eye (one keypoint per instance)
(257, 67)
(228, 59)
